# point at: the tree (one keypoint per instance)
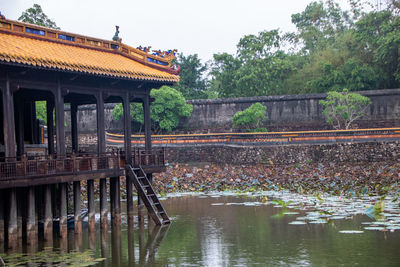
(341, 109)
(169, 105)
(251, 118)
(192, 84)
(35, 15)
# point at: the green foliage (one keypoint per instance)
(169, 105)
(251, 118)
(341, 109)
(41, 112)
(331, 49)
(35, 15)
(192, 84)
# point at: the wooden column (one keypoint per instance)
(12, 218)
(115, 200)
(127, 129)
(31, 225)
(63, 210)
(101, 148)
(101, 138)
(147, 121)
(2, 223)
(91, 211)
(60, 129)
(77, 208)
(103, 204)
(128, 158)
(48, 215)
(20, 126)
(50, 126)
(74, 127)
(8, 120)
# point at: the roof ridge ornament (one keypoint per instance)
(116, 37)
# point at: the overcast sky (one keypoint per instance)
(202, 27)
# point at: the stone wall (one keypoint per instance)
(287, 154)
(291, 112)
(287, 112)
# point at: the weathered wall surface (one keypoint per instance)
(287, 154)
(288, 112)
(291, 112)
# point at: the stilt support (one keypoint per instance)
(48, 215)
(91, 211)
(77, 208)
(63, 210)
(12, 219)
(103, 204)
(31, 225)
(115, 200)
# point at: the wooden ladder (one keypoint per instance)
(147, 194)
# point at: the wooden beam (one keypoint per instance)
(20, 126)
(147, 121)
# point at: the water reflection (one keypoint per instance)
(204, 234)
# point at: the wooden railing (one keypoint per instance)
(39, 166)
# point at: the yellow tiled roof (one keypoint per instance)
(56, 55)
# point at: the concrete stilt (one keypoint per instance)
(48, 216)
(115, 200)
(103, 204)
(129, 200)
(77, 208)
(63, 210)
(31, 224)
(12, 219)
(91, 210)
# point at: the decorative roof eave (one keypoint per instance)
(52, 35)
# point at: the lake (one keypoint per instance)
(227, 229)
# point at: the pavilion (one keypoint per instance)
(43, 64)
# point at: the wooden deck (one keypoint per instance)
(29, 171)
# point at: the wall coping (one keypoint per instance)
(277, 98)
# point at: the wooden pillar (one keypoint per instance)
(12, 218)
(20, 126)
(63, 210)
(91, 210)
(147, 121)
(50, 126)
(60, 128)
(127, 129)
(74, 127)
(8, 121)
(77, 208)
(48, 215)
(101, 139)
(31, 225)
(2, 224)
(103, 204)
(115, 200)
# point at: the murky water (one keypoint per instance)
(214, 231)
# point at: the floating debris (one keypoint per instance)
(351, 232)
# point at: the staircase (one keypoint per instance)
(147, 194)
